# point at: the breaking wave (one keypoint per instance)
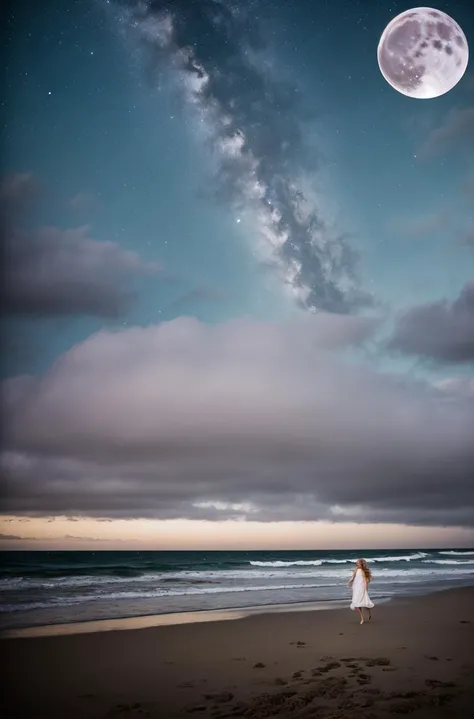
(320, 562)
(448, 561)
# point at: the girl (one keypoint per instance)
(359, 581)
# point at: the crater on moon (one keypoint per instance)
(423, 53)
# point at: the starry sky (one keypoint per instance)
(239, 287)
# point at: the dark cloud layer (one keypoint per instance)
(442, 330)
(254, 119)
(52, 272)
(238, 419)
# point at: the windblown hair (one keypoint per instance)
(365, 568)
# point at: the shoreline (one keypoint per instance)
(145, 621)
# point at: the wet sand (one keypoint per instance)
(415, 657)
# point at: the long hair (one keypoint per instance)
(365, 568)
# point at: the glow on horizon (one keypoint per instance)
(50, 533)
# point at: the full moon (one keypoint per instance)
(423, 53)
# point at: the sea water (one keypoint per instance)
(39, 588)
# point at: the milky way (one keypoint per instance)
(215, 51)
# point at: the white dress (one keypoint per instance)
(360, 595)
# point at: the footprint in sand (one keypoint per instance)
(377, 662)
(436, 683)
(236, 710)
(220, 697)
(327, 667)
(135, 707)
(442, 699)
(331, 687)
(405, 695)
(258, 665)
(366, 702)
(407, 706)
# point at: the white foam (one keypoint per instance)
(296, 563)
(404, 558)
(320, 562)
(155, 593)
(460, 554)
(448, 561)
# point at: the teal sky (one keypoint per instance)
(85, 120)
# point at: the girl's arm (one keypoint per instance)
(352, 578)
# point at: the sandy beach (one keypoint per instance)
(415, 657)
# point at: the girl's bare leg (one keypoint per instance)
(361, 615)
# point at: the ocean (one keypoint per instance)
(43, 588)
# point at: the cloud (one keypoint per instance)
(456, 386)
(253, 120)
(84, 202)
(9, 537)
(467, 237)
(443, 330)
(241, 419)
(17, 191)
(51, 272)
(422, 225)
(455, 132)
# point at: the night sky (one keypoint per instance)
(239, 276)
